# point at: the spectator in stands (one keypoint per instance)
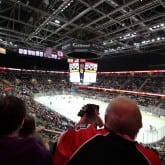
(123, 120)
(14, 150)
(29, 130)
(73, 138)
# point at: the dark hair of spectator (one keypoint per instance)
(12, 113)
(89, 110)
(28, 127)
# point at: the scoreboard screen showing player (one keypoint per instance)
(90, 72)
(83, 72)
(74, 72)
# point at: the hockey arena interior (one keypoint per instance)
(59, 55)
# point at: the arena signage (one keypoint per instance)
(83, 47)
(98, 47)
(66, 47)
(76, 45)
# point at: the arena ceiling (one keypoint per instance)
(122, 26)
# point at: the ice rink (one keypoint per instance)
(69, 105)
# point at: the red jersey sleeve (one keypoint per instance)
(71, 140)
(150, 155)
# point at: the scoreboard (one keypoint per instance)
(90, 72)
(74, 72)
(82, 72)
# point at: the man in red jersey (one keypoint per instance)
(123, 121)
(73, 138)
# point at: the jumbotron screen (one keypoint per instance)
(90, 72)
(74, 72)
(82, 72)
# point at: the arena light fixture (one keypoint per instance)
(149, 41)
(157, 27)
(128, 36)
(66, 5)
(57, 21)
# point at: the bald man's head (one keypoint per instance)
(123, 117)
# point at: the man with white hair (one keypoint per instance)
(123, 121)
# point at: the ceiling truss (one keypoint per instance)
(120, 25)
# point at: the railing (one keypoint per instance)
(151, 136)
(52, 132)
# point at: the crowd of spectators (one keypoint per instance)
(29, 83)
(25, 84)
(145, 82)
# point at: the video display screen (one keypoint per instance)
(48, 53)
(83, 72)
(74, 72)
